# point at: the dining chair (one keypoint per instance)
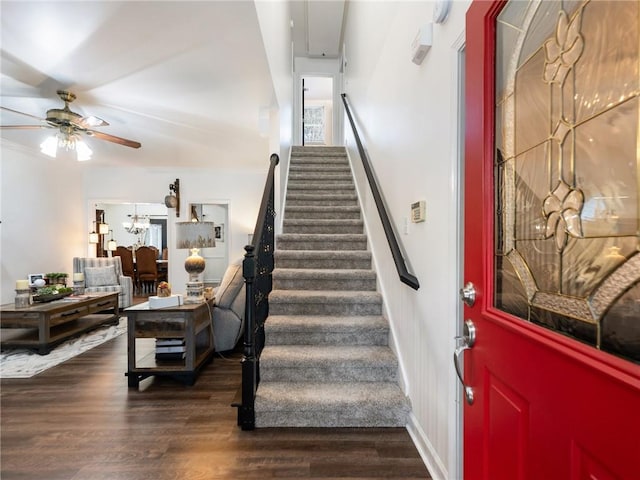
(128, 267)
(147, 268)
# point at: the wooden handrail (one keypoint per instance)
(401, 266)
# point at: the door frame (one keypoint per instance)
(338, 109)
(456, 416)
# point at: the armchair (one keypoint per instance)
(105, 275)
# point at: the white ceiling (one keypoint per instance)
(186, 79)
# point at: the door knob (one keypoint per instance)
(468, 339)
(468, 294)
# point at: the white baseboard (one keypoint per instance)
(429, 456)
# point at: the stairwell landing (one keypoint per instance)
(326, 360)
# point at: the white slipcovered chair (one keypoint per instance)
(104, 274)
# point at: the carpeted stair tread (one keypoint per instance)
(328, 363)
(326, 330)
(319, 168)
(362, 404)
(325, 323)
(311, 177)
(324, 296)
(324, 302)
(321, 198)
(300, 273)
(325, 187)
(324, 279)
(310, 160)
(333, 259)
(322, 241)
(338, 226)
(321, 211)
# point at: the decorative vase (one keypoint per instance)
(194, 265)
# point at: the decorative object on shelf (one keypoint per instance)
(23, 294)
(56, 278)
(78, 283)
(164, 289)
(49, 294)
(23, 298)
(33, 277)
(171, 200)
(194, 265)
(195, 235)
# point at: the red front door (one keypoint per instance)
(552, 240)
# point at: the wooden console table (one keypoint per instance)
(191, 322)
(42, 326)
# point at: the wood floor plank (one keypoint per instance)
(80, 421)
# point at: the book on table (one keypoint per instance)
(168, 349)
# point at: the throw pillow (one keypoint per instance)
(100, 276)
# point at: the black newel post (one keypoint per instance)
(246, 414)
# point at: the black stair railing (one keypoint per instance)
(257, 267)
(401, 266)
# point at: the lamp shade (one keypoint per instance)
(93, 237)
(103, 228)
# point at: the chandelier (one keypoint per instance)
(138, 223)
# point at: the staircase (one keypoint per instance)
(326, 360)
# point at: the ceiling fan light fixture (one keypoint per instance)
(83, 152)
(50, 146)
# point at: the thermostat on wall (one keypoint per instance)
(418, 211)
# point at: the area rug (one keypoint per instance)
(22, 363)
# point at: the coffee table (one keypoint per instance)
(191, 322)
(42, 326)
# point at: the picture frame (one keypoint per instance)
(219, 232)
(35, 276)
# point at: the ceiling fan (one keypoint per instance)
(71, 124)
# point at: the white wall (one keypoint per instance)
(274, 19)
(406, 121)
(43, 215)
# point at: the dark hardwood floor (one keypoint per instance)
(80, 421)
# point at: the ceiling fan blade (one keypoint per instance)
(114, 139)
(24, 127)
(22, 113)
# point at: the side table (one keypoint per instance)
(192, 322)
